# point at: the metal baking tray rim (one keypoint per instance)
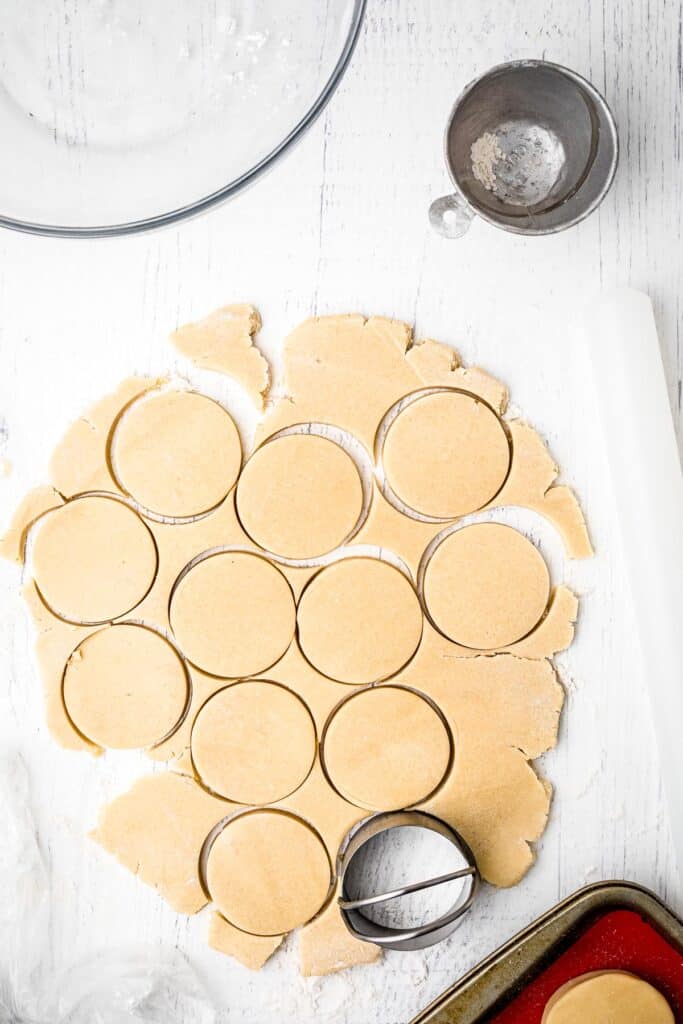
(605, 896)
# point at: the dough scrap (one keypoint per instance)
(446, 454)
(94, 559)
(156, 830)
(386, 748)
(531, 484)
(492, 796)
(233, 614)
(438, 364)
(251, 950)
(176, 453)
(608, 997)
(224, 342)
(299, 496)
(486, 586)
(326, 945)
(125, 687)
(359, 620)
(253, 742)
(268, 872)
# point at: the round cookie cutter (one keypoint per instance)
(352, 906)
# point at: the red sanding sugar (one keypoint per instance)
(619, 941)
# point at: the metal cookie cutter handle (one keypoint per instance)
(363, 927)
(451, 216)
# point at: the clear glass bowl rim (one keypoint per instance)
(227, 191)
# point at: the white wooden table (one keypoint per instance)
(341, 225)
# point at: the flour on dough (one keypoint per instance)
(224, 342)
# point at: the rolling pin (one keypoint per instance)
(646, 482)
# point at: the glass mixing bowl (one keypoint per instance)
(122, 115)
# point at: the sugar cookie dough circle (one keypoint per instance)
(386, 748)
(253, 742)
(299, 496)
(233, 614)
(268, 872)
(608, 997)
(176, 453)
(125, 687)
(446, 454)
(359, 620)
(486, 586)
(93, 559)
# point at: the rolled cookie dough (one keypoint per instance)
(177, 453)
(347, 372)
(608, 997)
(94, 559)
(233, 614)
(446, 454)
(486, 586)
(268, 872)
(125, 687)
(359, 620)
(386, 748)
(156, 830)
(299, 496)
(253, 742)
(250, 950)
(224, 342)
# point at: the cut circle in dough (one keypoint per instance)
(268, 872)
(386, 748)
(608, 997)
(359, 620)
(233, 614)
(125, 687)
(299, 496)
(446, 454)
(253, 742)
(176, 453)
(486, 586)
(93, 559)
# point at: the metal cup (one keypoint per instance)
(531, 147)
